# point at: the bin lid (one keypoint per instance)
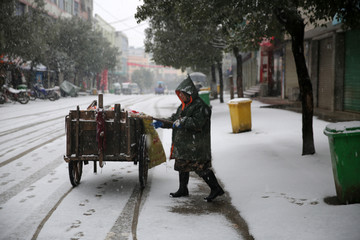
(203, 92)
(240, 100)
(343, 128)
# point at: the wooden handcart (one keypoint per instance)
(99, 135)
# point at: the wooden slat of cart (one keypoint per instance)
(109, 158)
(117, 142)
(81, 136)
(77, 130)
(68, 135)
(128, 135)
(117, 130)
(91, 114)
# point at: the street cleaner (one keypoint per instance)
(191, 143)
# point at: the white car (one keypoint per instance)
(130, 88)
(134, 88)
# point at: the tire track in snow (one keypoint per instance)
(128, 219)
(13, 191)
(13, 130)
(124, 224)
(41, 225)
(23, 134)
(30, 150)
(130, 214)
(157, 110)
(135, 101)
(38, 113)
(24, 143)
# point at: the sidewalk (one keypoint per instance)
(280, 193)
(326, 115)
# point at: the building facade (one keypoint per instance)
(138, 59)
(333, 60)
(335, 68)
(121, 68)
(55, 9)
(61, 8)
(105, 28)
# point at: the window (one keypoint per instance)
(83, 7)
(69, 6)
(20, 9)
(76, 8)
(62, 4)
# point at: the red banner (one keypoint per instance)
(145, 65)
(104, 80)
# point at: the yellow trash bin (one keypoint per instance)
(240, 114)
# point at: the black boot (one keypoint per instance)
(183, 190)
(216, 189)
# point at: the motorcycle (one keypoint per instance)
(31, 93)
(20, 96)
(43, 93)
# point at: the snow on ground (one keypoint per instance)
(157, 220)
(277, 191)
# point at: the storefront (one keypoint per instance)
(326, 74)
(352, 71)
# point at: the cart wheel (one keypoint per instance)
(75, 171)
(143, 161)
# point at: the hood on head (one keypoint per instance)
(187, 86)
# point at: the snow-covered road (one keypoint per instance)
(272, 192)
(37, 200)
(34, 179)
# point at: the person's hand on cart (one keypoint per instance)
(157, 124)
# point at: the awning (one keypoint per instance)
(39, 67)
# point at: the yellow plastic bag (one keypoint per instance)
(156, 151)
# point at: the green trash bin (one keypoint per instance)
(205, 96)
(344, 142)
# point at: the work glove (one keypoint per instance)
(177, 124)
(157, 124)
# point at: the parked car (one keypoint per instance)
(134, 88)
(125, 88)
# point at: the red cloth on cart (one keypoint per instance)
(100, 130)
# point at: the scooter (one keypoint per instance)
(43, 93)
(20, 96)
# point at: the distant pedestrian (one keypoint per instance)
(191, 143)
